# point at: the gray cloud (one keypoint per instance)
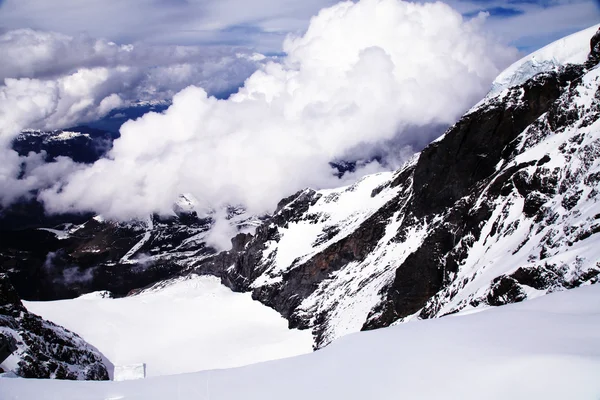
(161, 21)
(263, 24)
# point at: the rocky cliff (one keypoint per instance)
(44, 349)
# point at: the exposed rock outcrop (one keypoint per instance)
(594, 56)
(45, 350)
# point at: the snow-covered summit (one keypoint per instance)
(572, 49)
(49, 136)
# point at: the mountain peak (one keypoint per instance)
(572, 49)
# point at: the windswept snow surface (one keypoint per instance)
(545, 348)
(183, 326)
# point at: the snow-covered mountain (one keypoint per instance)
(502, 208)
(81, 144)
(73, 258)
(572, 49)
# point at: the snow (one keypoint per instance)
(572, 49)
(187, 325)
(186, 203)
(147, 235)
(130, 372)
(11, 363)
(60, 234)
(52, 136)
(342, 209)
(351, 293)
(544, 348)
(66, 135)
(520, 241)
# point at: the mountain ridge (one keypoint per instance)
(502, 208)
(445, 203)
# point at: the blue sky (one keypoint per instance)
(531, 24)
(263, 24)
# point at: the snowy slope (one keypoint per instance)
(186, 325)
(334, 214)
(572, 49)
(543, 231)
(545, 348)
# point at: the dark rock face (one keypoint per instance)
(301, 282)
(458, 166)
(469, 152)
(45, 350)
(537, 278)
(30, 214)
(81, 144)
(594, 56)
(505, 290)
(43, 267)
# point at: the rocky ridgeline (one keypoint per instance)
(45, 350)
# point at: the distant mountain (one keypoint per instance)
(81, 144)
(84, 143)
(113, 120)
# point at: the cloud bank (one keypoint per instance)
(53, 81)
(364, 73)
(142, 72)
(263, 24)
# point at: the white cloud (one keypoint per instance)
(168, 69)
(361, 75)
(221, 232)
(54, 81)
